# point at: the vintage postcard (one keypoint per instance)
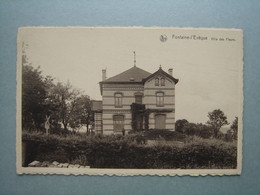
(129, 101)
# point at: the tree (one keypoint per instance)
(34, 95)
(63, 98)
(179, 125)
(216, 120)
(83, 111)
(197, 129)
(204, 131)
(234, 128)
(190, 129)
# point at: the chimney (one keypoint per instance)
(104, 74)
(170, 71)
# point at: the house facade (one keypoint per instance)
(136, 99)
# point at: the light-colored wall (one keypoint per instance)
(149, 99)
(150, 91)
(98, 123)
(109, 109)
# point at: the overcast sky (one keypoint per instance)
(209, 71)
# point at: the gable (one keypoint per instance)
(160, 74)
(159, 81)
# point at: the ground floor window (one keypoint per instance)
(160, 121)
(118, 121)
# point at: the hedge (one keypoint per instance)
(126, 152)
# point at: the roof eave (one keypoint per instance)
(121, 82)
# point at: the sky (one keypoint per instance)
(209, 69)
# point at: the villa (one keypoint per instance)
(135, 100)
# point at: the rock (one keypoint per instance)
(45, 164)
(71, 166)
(77, 165)
(65, 165)
(55, 163)
(60, 165)
(34, 164)
(81, 167)
(87, 167)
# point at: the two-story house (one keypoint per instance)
(136, 99)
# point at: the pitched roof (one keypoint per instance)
(161, 71)
(133, 74)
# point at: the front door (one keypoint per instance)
(139, 121)
(160, 121)
(118, 123)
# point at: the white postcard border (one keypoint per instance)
(119, 172)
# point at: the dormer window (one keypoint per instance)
(162, 81)
(159, 81)
(156, 82)
(118, 100)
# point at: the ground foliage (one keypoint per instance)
(117, 151)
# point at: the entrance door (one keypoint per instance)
(139, 122)
(118, 122)
(160, 121)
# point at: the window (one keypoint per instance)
(118, 99)
(160, 121)
(159, 99)
(162, 81)
(159, 81)
(139, 99)
(118, 122)
(156, 82)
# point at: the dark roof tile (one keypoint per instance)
(133, 74)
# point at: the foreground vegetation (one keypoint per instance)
(130, 151)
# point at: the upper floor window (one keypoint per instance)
(156, 82)
(159, 99)
(159, 81)
(118, 99)
(162, 81)
(138, 99)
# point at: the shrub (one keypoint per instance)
(118, 151)
(179, 125)
(165, 134)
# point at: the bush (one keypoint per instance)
(165, 134)
(125, 152)
(199, 129)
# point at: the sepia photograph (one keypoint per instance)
(129, 101)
